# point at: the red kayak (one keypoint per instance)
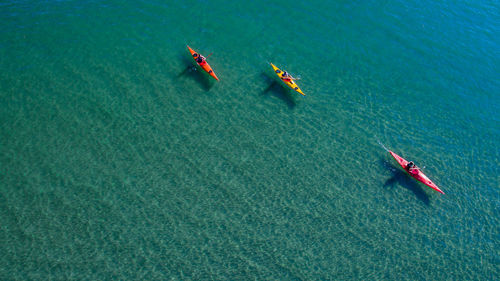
(416, 173)
(203, 64)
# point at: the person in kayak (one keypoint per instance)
(411, 168)
(287, 77)
(199, 58)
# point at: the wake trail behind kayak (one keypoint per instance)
(382, 145)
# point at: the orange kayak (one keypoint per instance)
(203, 64)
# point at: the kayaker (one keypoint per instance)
(199, 58)
(411, 167)
(287, 77)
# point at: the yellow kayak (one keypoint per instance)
(289, 83)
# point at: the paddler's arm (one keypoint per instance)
(415, 169)
(289, 77)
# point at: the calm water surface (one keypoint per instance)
(120, 160)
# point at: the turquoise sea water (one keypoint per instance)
(120, 160)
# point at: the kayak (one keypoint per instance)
(290, 83)
(418, 175)
(203, 64)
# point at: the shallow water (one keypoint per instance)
(120, 160)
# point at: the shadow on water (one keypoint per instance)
(402, 178)
(278, 90)
(194, 72)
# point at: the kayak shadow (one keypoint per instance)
(193, 72)
(276, 89)
(401, 178)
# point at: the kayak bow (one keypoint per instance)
(418, 175)
(203, 64)
(290, 83)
